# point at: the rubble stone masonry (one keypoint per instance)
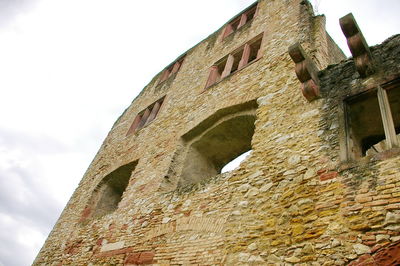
(297, 199)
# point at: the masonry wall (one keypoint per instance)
(291, 201)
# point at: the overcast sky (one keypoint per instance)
(68, 69)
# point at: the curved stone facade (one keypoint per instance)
(297, 198)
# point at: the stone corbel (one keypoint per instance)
(357, 45)
(306, 72)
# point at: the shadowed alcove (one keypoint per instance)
(108, 193)
(217, 141)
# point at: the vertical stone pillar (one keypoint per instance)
(243, 20)
(228, 66)
(134, 125)
(153, 113)
(245, 56)
(144, 118)
(213, 77)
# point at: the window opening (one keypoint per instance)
(171, 70)
(394, 102)
(235, 162)
(235, 61)
(109, 191)
(255, 50)
(373, 121)
(146, 116)
(240, 20)
(208, 153)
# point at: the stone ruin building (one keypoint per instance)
(321, 185)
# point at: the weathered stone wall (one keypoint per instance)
(293, 200)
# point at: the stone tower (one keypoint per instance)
(321, 184)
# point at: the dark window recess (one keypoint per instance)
(240, 20)
(373, 121)
(109, 191)
(235, 61)
(146, 116)
(171, 70)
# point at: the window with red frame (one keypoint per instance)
(235, 61)
(146, 116)
(171, 70)
(240, 20)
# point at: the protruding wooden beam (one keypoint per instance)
(306, 72)
(357, 45)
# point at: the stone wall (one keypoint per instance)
(293, 200)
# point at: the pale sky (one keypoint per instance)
(68, 69)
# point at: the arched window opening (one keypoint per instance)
(235, 162)
(109, 191)
(207, 154)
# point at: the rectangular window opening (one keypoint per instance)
(235, 24)
(237, 57)
(171, 70)
(251, 13)
(364, 122)
(240, 20)
(235, 61)
(373, 121)
(146, 116)
(255, 50)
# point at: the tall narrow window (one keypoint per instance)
(373, 120)
(145, 116)
(240, 20)
(235, 61)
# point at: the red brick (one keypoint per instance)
(364, 258)
(124, 227)
(369, 243)
(375, 248)
(146, 257)
(328, 175)
(389, 255)
(321, 171)
(132, 258)
(99, 241)
(85, 214)
(380, 256)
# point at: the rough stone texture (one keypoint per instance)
(294, 200)
(389, 255)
